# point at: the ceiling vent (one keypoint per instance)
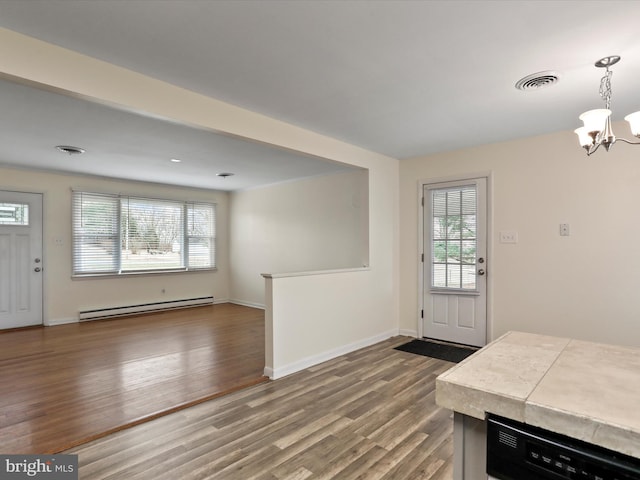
(70, 149)
(539, 80)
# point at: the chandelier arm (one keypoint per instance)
(627, 141)
(589, 152)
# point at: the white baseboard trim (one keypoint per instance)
(247, 304)
(408, 333)
(275, 373)
(52, 322)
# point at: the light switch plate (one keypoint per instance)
(508, 236)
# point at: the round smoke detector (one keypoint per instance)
(539, 80)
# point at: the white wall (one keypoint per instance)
(319, 223)
(64, 296)
(37, 61)
(312, 318)
(583, 286)
(337, 318)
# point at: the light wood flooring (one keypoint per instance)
(63, 386)
(367, 415)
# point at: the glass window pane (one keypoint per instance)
(439, 275)
(439, 251)
(468, 225)
(14, 214)
(468, 252)
(453, 202)
(200, 252)
(454, 227)
(439, 228)
(453, 276)
(453, 252)
(200, 220)
(439, 203)
(469, 200)
(150, 231)
(469, 277)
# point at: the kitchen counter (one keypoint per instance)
(585, 390)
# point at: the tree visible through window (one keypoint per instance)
(454, 239)
(121, 234)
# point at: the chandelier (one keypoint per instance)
(597, 123)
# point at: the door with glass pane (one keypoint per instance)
(20, 259)
(455, 262)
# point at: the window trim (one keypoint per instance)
(119, 197)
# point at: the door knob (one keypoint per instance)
(481, 272)
(37, 269)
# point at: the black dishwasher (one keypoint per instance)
(516, 451)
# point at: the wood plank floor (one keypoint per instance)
(367, 415)
(63, 386)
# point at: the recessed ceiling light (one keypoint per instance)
(225, 174)
(176, 160)
(70, 149)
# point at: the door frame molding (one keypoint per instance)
(488, 174)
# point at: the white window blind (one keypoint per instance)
(95, 224)
(115, 234)
(454, 237)
(201, 234)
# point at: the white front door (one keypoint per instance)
(455, 261)
(20, 259)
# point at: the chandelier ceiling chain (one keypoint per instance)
(597, 123)
(605, 88)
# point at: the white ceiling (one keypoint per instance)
(122, 144)
(403, 78)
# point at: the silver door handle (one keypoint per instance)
(481, 272)
(37, 269)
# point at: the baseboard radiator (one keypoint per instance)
(112, 312)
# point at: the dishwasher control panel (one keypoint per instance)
(516, 451)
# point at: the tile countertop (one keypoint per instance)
(585, 390)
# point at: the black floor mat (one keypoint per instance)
(442, 351)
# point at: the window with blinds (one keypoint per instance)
(116, 234)
(454, 239)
